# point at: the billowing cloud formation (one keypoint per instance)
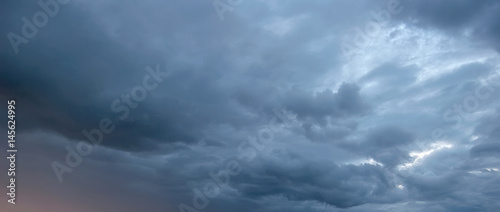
(161, 106)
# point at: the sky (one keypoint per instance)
(252, 105)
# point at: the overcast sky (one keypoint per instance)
(253, 105)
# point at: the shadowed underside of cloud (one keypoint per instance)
(472, 19)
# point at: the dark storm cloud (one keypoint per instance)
(486, 149)
(385, 144)
(346, 101)
(62, 90)
(477, 19)
(299, 180)
(81, 73)
(96, 68)
(489, 130)
(389, 137)
(328, 133)
(227, 80)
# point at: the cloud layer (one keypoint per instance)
(262, 111)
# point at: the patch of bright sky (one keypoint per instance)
(370, 161)
(281, 26)
(432, 51)
(419, 156)
(485, 171)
